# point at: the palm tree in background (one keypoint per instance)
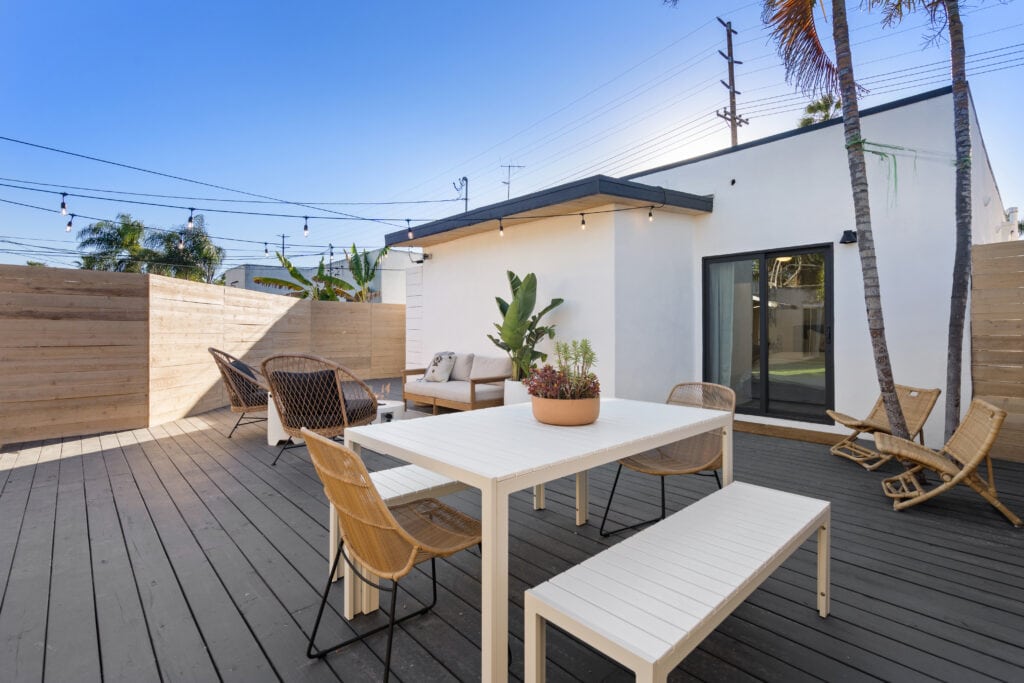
(820, 110)
(364, 269)
(321, 287)
(114, 245)
(188, 254)
(809, 67)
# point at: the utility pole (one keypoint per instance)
(731, 117)
(463, 185)
(330, 261)
(508, 183)
(282, 243)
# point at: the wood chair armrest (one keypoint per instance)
(413, 371)
(908, 450)
(488, 380)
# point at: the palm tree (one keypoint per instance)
(363, 270)
(948, 12)
(188, 254)
(321, 287)
(115, 246)
(820, 110)
(808, 66)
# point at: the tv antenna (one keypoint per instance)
(508, 183)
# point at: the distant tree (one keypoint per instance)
(187, 253)
(321, 287)
(115, 246)
(37, 264)
(364, 269)
(1020, 227)
(822, 109)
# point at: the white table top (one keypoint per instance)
(506, 445)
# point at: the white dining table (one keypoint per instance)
(503, 450)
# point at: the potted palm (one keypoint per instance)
(520, 331)
(569, 394)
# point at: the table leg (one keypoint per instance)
(538, 497)
(494, 585)
(824, 568)
(582, 497)
(727, 455)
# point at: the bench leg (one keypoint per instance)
(538, 497)
(535, 645)
(824, 565)
(582, 497)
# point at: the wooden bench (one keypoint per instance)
(648, 601)
(397, 485)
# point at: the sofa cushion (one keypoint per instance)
(463, 366)
(484, 366)
(454, 390)
(440, 367)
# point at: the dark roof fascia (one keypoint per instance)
(870, 111)
(594, 185)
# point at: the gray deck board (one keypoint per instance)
(174, 553)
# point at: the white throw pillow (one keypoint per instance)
(463, 366)
(491, 367)
(440, 367)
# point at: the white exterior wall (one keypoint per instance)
(462, 278)
(634, 288)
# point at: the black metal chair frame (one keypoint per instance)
(251, 420)
(319, 653)
(608, 507)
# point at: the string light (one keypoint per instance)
(181, 242)
(583, 222)
(63, 204)
(650, 215)
(409, 228)
(191, 223)
(67, 228)
(266, 251)
(305, 226)
(501, 228)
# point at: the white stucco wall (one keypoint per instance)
(634, 288)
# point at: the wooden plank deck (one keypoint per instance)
(176, 554)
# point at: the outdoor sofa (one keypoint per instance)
(473, 382)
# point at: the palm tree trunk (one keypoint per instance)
(962, 257)
(862, 213)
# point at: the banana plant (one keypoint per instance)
(363, 270)
(321, 287)
(520, 330)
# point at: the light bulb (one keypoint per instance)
(266, 251)
(583, 222)
(650, 215)
(63, 204)
(501, 228)
(191, 223)
(67, 228)
(181, 242)
(305, 226)
(408, 228)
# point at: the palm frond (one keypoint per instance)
(808, 65)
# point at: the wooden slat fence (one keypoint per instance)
(83, 352)
(997, 338)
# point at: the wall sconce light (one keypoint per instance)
(849, 237)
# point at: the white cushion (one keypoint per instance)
(455, 390)
(440, 367)
(484, 366)
(463, 366)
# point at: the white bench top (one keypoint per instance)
(407, 483)
(649, 593)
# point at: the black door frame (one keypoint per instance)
(763, 256)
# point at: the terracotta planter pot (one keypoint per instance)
(566, 413)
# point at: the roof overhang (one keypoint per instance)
(576, 197)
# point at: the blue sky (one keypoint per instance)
(392, 102)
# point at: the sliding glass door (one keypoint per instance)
(768, 330)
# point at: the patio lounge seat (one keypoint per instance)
(387, 541)
(475, 382)
(956, 463)
(917, 405)
(696, 455)
(247, 390)
(318, 394)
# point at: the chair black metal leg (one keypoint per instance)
(249, 421)
(391, 634)
(609, 505)
(284, 448)
(237, 422)
(717, 479)
(663, 496)
(638, 524)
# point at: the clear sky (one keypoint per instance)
(392, 102)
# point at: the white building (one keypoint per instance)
(682, 297)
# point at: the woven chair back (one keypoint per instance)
(977, 432)
(370, 531)
(318, 394)
(245, 390)
(703, 395)
(703, 451)
(916, 403)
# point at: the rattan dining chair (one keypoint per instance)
(701, 454)
(957, 462)
(385, 541)
(917, 405)
(246, 388)
(318, 394)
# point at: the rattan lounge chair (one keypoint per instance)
(696, 455)
(956, 463)
(917, 405)
(247, 390)
(318, 394)
(387, 542)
